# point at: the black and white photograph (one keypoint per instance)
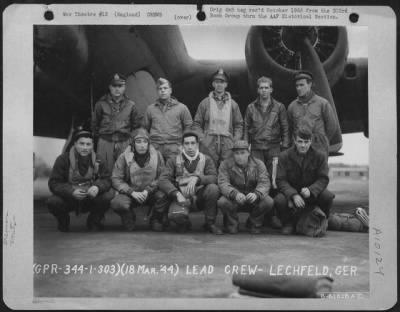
(215, 161)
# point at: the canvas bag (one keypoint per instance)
(312, 223)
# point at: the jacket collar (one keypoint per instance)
(129, 154)
(250, 165)
(223, 98)
(295, 156)
(309, 98)
(273, 104)
(110, 99)
(171, 102)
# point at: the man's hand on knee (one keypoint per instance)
(139, 197)
(79, 194)
(240, 198)
(251, 197)
(180, 198)
(298, 201)
(305, 192)
(93, 191)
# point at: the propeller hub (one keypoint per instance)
(293, 37)
(284, 43)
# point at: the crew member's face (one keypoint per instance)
(190, 145)
(302, 145)
(264, 90)
(219, 85)
(164, 91)
(84, 146)
(141, 146)
(303, 87)
(117, 90)
(241, 157)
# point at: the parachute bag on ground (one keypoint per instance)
(346, 222)
(312, 223)
(178, 213)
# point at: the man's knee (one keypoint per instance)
(55, 203)
(211, 191)
(161, 201)
(106, 196)
(280, 201)
(325, 201)
(266, 203)
(225, 204)
(326, 196)
(159, 196)
(120, 202)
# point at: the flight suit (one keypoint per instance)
(253, 179)
(218, 145)
(166, 124)
(294, 173)
(316, 113)
(173, 178)
(67, 175)
(113, 123)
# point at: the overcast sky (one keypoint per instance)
(207, 47)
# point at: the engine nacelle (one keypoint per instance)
(271, 51)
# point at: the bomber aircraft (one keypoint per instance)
(72, 64)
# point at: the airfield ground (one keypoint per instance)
(150, 256)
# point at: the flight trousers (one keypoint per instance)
(60, 207)
(124, 205)
(287, 212)
(257, 210)
(205, 200)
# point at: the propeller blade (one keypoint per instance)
(310, 61)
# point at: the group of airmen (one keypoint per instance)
(271, 164)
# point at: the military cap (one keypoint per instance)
(82, 133)
(241, 144)
(117, 79)
(140, 133)
(188, 133)
(303, 74)
(220, 74)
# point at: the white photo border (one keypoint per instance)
(18, 21)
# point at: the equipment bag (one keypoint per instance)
(312, 223)
(348, 222)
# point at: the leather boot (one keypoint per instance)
(212, 228)
(63, 222)
(128, 221)
(288, 228)
(95, 223)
